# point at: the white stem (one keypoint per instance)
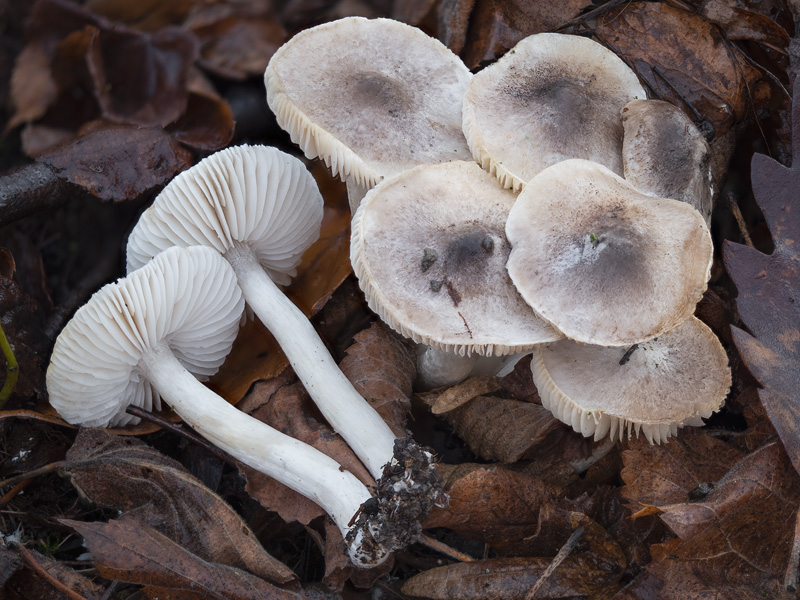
(349, 414)
(291, 462)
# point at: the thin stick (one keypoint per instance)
(35, 473)
(168, 425)
(557, 560)
(44, 574)
(790, 579)
(444, 549)
(14, 491)
(737, 214)
(12, 369)
(110, 590)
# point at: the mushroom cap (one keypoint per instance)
(550, 98)
(602, 262)
(253, 195)
(666, 383)
(186, 298)
(665, 155)
(429, 249)
(370, 97)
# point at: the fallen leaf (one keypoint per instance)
(34, 585)
(453, 23)
(32, 85)
(156, 491)
(742, 24)
(596, 564)
(687, 468)
(495, 26)
(119, 162)
(736, 541)
(412, 11)
(382, 366)
(769, 296)
(673, 50)
(463, 392)
(491, 503)
(125, 550)
(207, 123)
(145, 15)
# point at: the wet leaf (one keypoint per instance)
(737, 539)
(156, 491)
(207, 124)
(382, 366)
(146, 15)
(687, 468)
(119, 162)
(769, 294)
(125, 550)
(491, 503)
(675, 50)
(742, 24)
(595, 564)
(495, 26)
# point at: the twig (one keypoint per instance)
(44, 574)
(790, 579)
(32, 189)
(163, 423)
(35, 473)
(12, 369)
(110, 590)
(737, 214)
(557, 560)
(434, 544)
(14, 491)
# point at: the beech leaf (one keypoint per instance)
(769, 293)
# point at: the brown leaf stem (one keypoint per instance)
(44, 574)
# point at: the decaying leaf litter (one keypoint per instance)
(539, 510)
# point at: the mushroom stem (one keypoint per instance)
(291, 462)
(345, 409)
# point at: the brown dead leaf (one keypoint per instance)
(594, 565)
(672, 49)
(412, 11)
(495, 26)
(239, 46)
(769, 293)
(289, 410)
(145, 15)
(741, 24)
(31, 582)
(687, 468)
(491, 503)
(463, 392)
(125, 550)
(453, 23)
(207, 123)
(119, 162)
(32, 86)
(156, 491)
(736, 541)
(504, 430)
(382, 366)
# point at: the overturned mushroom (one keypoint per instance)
(261, 209)
(552, 97)
(602, 262)
(657, 386)
(429, 250)
(150, 336)
(370, 97)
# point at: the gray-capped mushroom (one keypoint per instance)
(150, 336)
(656, 387)
(602, 262)
(665, 155)
(429, 249)
(550, 98)
(369, 97)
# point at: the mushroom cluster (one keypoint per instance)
(599, 261)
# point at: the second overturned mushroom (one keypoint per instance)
(149, 336)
